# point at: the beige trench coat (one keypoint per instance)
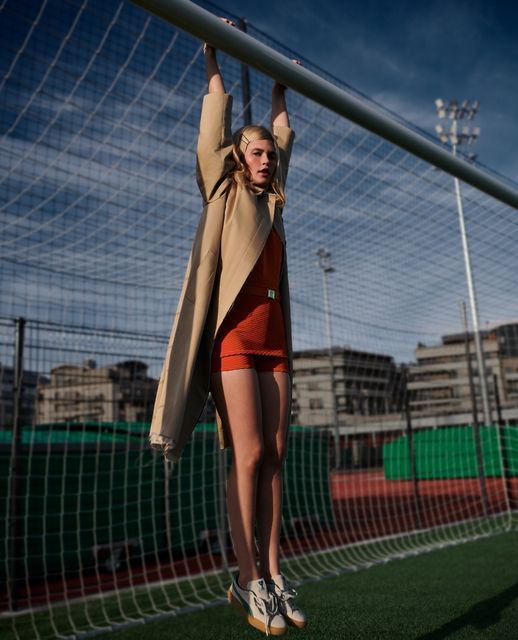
(232, 232)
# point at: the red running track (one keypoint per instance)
(369, 506)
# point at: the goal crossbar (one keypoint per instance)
(204, 25)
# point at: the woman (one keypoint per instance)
(232, 332)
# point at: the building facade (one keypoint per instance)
(439, 382)
(122, 392)
(366, 384)
(27, 410)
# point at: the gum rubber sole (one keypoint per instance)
(253, 622)
(294, 623)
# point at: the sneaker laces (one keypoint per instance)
(287, 594)
(268, 606)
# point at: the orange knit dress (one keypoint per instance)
(252, 335)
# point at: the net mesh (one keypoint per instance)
(99, 205)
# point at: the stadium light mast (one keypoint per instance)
(455, 138)
(324, 258)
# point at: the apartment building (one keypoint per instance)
(439, 381)
(27, 409)
(366, 384)
(119, 392)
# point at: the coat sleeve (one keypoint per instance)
(214, 153)
(284, 137)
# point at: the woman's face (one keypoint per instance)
(261, 161)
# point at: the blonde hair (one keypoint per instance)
(240, 140)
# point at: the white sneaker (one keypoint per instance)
(258, 606)
(285, 595)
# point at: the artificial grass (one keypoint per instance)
(463, 592)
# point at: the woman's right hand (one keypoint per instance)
(214, 78)
(208, 49)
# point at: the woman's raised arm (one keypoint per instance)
(214, 153)
(280, 116)
(214, 77)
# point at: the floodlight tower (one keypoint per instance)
(455, 137)
(324, 258)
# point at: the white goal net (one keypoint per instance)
(388, 454)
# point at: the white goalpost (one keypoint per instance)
(389, 452)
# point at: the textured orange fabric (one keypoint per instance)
(250, 361)
(255, 324)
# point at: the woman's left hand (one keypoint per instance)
(208, 48)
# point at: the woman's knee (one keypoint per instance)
(250, 459)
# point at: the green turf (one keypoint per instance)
(467, 591)
(463, 592)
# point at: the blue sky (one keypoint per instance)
(98, 197)
(406, 54)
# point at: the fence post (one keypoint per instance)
(14, 473)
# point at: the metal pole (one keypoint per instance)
(473, 305)
(323, 257)
(332, 372)
(498, 406)
(411, 453)
(476, 426)
(205, 26)
(245, 84)
(506, 464)
(15, 476)
(472, 394)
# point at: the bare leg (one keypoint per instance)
(237, 397)
(275, 390)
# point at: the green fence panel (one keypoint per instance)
(81, 494)
(89, 491)
(449, 452)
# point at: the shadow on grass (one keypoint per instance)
(481, 615)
